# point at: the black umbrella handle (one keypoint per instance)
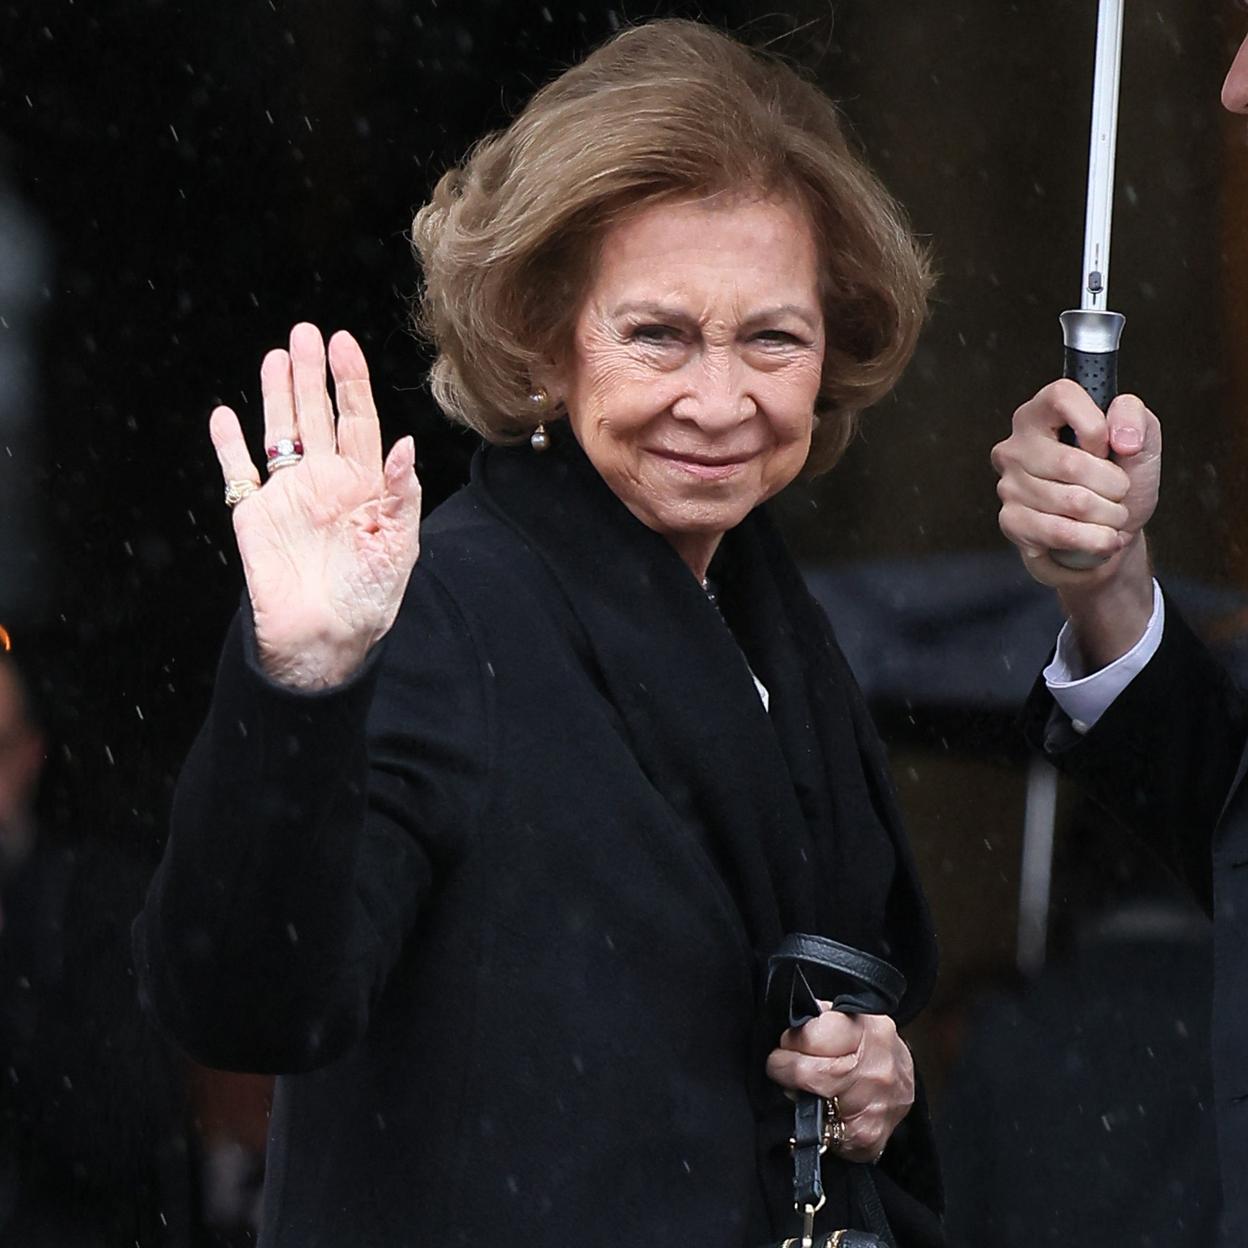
(1096, 372)
(1091, 346)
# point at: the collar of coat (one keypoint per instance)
(795, 806)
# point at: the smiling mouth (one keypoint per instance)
(704, 467)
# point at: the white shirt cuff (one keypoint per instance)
(1086, 698)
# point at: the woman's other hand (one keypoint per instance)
(859, 1059)
(328, 543)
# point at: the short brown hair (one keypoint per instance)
(666, 110)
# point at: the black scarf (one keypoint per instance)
(794, 804)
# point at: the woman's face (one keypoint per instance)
(695, 363)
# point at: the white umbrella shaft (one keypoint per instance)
(1095, 276)
(1035, 886)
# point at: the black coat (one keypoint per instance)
(1168, 759)
(504, 948)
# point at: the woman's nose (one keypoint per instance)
(717, 396)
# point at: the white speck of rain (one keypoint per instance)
(173, 132)
(294, 935)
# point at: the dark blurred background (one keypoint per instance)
(181, 181)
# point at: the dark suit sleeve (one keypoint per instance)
(308, 829)
(1164, 756)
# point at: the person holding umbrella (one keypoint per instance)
(1132, 705)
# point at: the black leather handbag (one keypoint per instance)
(857, 983)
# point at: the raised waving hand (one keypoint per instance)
(329, 541)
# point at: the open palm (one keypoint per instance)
(328, 543)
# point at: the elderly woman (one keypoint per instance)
(485, 853)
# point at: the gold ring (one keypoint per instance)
(236, 491)
(833, 1123)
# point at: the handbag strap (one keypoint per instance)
(864, 984)
(872, 985)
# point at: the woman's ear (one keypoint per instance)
(553, 372)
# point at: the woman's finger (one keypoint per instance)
(313, 413)
(278, 394)
(400, 503)
(231, 447)
(804, 1072)
(831, 1034)
(402, 492)
(359, 432)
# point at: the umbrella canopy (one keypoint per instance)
(971, 631)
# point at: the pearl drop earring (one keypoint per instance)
(539, 400)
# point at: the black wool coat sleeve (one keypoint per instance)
(1164, 756)
(498, 921)
(1168, 760)
(307, 831)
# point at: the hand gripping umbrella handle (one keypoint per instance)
(1091, 344)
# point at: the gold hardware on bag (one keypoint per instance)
(832, 1241)
(808, 1226)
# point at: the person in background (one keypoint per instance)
(483, 853)
(1076, 1081)
(1132, 705)
(21, 762)
(93, 1150)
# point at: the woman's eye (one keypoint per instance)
(655, 334)
(774, 337)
